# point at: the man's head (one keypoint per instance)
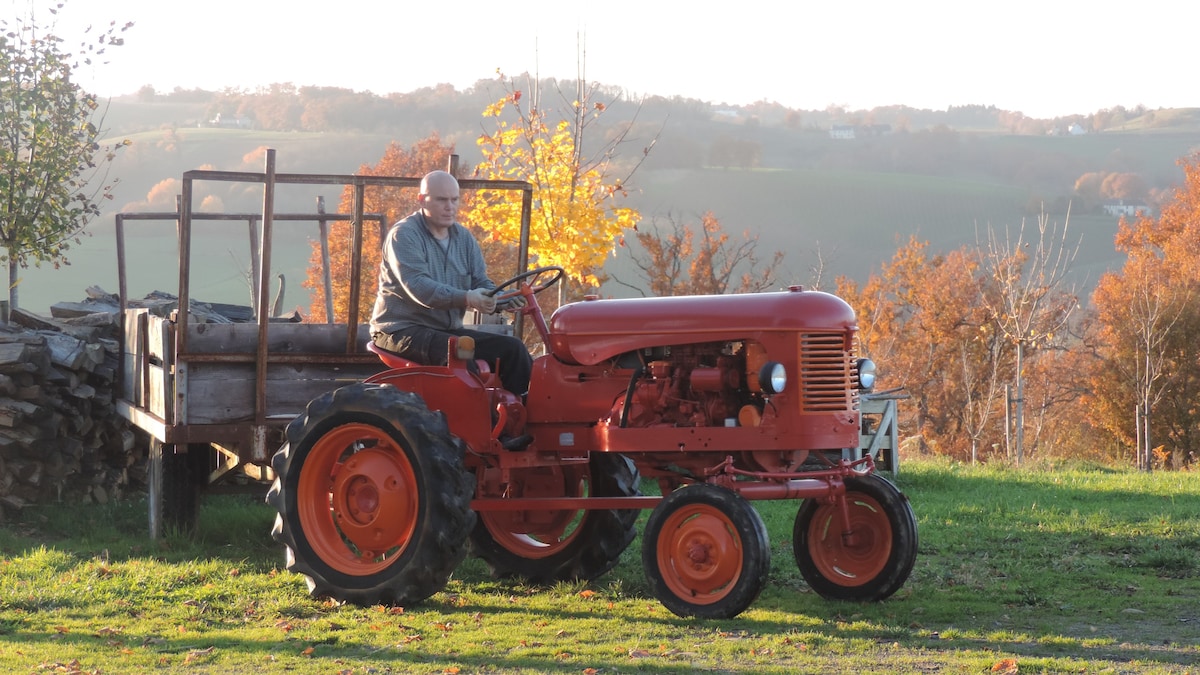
(439, 198)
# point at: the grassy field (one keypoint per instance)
(1047, 570)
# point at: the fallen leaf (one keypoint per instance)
(586, 593)
(452, 670)
(234, 572)
(1005, 667)
(308, 651)
(412, 638)
(638, 653)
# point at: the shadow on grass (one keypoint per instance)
(1028, 560)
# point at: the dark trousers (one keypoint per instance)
(504, 353)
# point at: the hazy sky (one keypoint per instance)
(1044, 58)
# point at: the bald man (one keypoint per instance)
(432, 272)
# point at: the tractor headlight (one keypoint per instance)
(772, 377)
(866, 374)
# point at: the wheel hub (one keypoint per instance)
(368, 503)
(706, 556)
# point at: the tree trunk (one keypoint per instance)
(1019, 422)
(13, 278)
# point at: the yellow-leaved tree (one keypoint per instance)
(578, 217)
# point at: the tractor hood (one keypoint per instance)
(588, 332)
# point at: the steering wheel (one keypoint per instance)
(537, 285)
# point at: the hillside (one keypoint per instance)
(841, 203)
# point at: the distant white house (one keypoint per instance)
(1074, 130)
(1125, 207)
(236, 122)
(849, 132)
(843, 132)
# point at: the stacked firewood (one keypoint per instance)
(61, 438)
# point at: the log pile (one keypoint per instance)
(61, 438)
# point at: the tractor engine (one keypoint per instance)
(688, 386)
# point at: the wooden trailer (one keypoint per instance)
(214, 398)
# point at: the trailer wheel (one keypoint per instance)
(174, 483)
(870, 563)
(705, 552)
(567, 545)
(373, 502)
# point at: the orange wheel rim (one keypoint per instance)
(540, 535)
(699, 554)
(859, 559)
(357, 499)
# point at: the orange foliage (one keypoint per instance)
(680, 262)
(426, 155)
(1147, 321)
(924, 322)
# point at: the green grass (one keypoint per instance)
(1062, 569)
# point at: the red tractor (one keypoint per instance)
(382, 487)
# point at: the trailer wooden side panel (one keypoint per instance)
(214, 383)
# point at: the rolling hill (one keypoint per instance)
(844, 204)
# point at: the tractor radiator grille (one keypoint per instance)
(825, 373)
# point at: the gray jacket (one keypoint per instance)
(422, 285)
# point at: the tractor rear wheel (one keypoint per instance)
(872, 560)
(561, 545)
(705, 552)
(372, 499)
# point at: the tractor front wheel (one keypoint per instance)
(705, 552)
(372, 498)
(869, 561)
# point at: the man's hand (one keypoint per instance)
(479, 300)
(513, 303)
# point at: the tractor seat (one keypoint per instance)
(389, 359)
(392, 360)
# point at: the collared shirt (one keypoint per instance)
(423, 284)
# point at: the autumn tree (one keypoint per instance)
(924, 322)
(1032, 302)
(1148, 320)
(677, 261)
(1096, 186)
(578, 214)
(393, 203)
(53, 169)
(1124, 186)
